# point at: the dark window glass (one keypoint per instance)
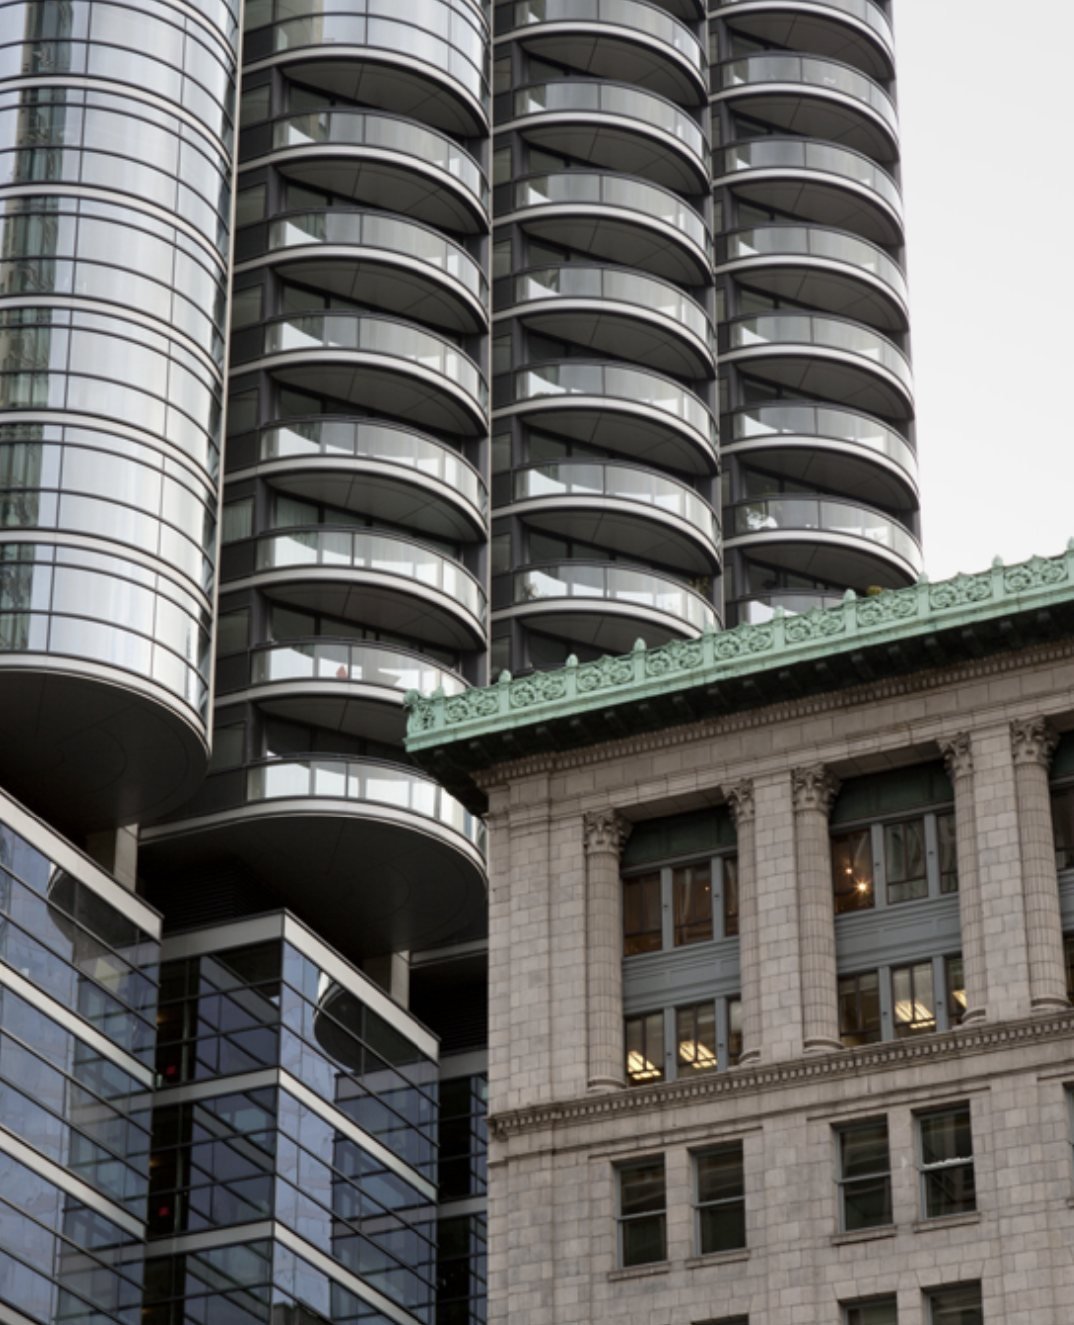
(956, 989)
(852, 871)
(904, 861)
(945, 841)
(695, 1037)
(865, 1175)
(880, 1311)
(730, 896)
(960, 1305)
(641, 914)
(947, 1162)
(721, 1204)
(1063, 827)
(642, 1226)
(859, 1008)
(691, 891)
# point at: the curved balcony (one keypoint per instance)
(395, 475)
(629, 40)
(826, 270)
(616, 311)
(384, 260)
(614, 217)
(375, 158)
(824, 357)
(818, 182)
(371, 579)
(759, 608)
(373, 847)
(828, 447)
(356, 687)
(607, 606)
(815, 98)
(836, 541)
(856, 32)
(626, 410)
(382, 363)
(428, 66)
(625, 508)
(614, 126)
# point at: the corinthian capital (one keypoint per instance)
(958, 755)
(1033, 741)
(740, 802)
(814, 788)
(605, 830)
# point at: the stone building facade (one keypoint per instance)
(779, 1017)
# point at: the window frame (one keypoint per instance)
(726, 1202)
(926, 1170)
(719, 888)
(943, 994)
(672, 1068)
(623, 1220)
(843, 1182)
(877, 829)
(932, 1296)
(851, 1314)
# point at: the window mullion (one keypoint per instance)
(932, 856)
(667, 910)
(722, 1036)
(716, 896)
(880, 873)
(939, 994)
(887, 1015)
(671, 1045)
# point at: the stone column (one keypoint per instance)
(958, 760)
(743, 811)
(605, 833)
(814, 789)
(1033, 743)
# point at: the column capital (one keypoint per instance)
(605, 830)
(814, 788)
(957, 752)
(1033, 741)
(740, 801)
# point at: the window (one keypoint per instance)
(959, 1305)
(886, 864)
(877, 1311)
(720, 1199)
(642, 1213)
(1063, 827)
(947, 1184)
(864, 1177)
(899, 1002)
(1068, 953)
(680, 905)
(677, 1042)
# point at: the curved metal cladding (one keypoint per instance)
(605, 451)
(355, 520)
(817, 396)
(115, 192)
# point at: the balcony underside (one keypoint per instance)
(830, 468)
(628, 239)
(600, 624)
(617, 144)
(352, 708)
(809, 114)
(826, 200)
(627, 331)
(825, 32)
(828, 557)
(604, 51)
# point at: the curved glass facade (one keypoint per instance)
(817, 385)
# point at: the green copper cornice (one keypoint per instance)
(893, 618)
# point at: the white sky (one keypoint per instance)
(988, 178)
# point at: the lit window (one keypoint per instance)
(695, 1038)
(720, 1199)
(947, 1181)
(680, 905)
(642, 1213)
(645, 1049)
(958, 1305)
(888, 864)
(899, 1002)
(864, 1176)
(877, 1311)
(913, 1003)
(678, 1042)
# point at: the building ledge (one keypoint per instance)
(717, 1258)
(946, 1221)
(864, 1235)
(639, 1271)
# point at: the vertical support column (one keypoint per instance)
(1033, 743)
(814, 789)
(958, 760)
(743, 811)
(605, 835)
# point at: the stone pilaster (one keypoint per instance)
(1033, 743)
(605, 833)
(744, 812)
(814, 789)
(958, 760)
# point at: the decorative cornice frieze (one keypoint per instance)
(814, 788)
(982, 1037)
(1033, 741)
(605, 830)
(740, 802)
(957, 755)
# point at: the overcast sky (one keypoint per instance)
(988, 178)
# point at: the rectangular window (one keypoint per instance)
(1068, 953)
(864, 1176)
(677, 1042)
(645, 1049)
(1063, 827)
(945, 846)
(899, 1002)
(852, 871)
(955, 981)
(677, 906)
(641, 914)
(904, 861)
(859, 1008)
(958, 1305)
(691, 892)
(877, 1311)
(642, 1213)
(947, 1183)
(887, 864)
(237, 520)
(695, 1038)
(913, 1002)
(720, 1200)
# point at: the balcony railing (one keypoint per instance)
(818, 242)
(864, 10)
(811, 72)
(594, 582)
(585, 96)
(648, 20)
(795, 514)
(582, 188)
(825, 158)
(821, 422)
(826, 333)
(358, 663)
(577, 281)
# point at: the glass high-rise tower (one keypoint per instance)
(349, 348)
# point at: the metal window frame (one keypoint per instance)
(700, 1205)
(624, 1167)
(960, 1161)
(666, 870)
(839, 1130)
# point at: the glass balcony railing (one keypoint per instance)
(635, 386)
(831, 517)
(359, 229)
(357, 550)
(392, 133)
(578, 478)
(345, 438)
(369, 334)
(811, 71)
(824, 421)
(362, 663)
(824, 158)
(365, 780)
(825, 333)
(597, 582)
(647, 19)
(760, 608)
(577, 281)
(817, 242)
(863, 10)
(586, 188)
(612, 99)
